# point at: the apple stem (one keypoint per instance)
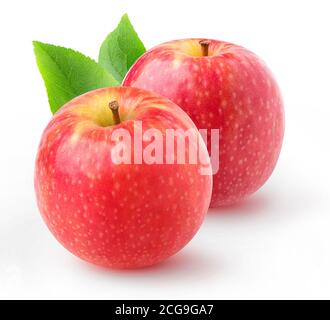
(114, 107)
(205, 47)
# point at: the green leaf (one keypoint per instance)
(121, 49)
(68, 73)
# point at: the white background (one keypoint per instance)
(275, 245)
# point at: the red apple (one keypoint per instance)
(221, 86)
(111, 214)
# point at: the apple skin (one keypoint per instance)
(230, 89)
(117, 216)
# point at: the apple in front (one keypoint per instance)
(118, 215)
(221, 86)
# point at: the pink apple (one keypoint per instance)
(221, 85)
(111, 214)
